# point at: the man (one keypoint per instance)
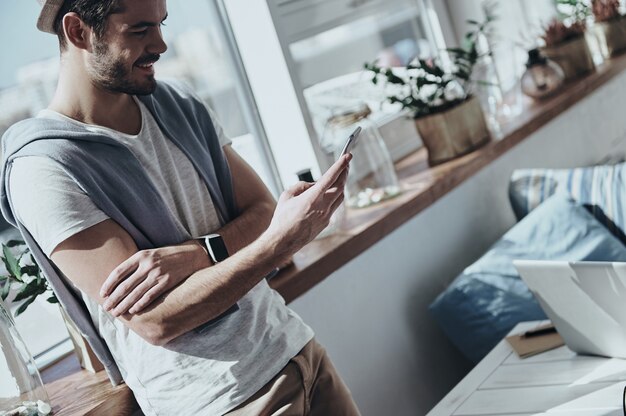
(112, 186)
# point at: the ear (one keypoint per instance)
(76, 31)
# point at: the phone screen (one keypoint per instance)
(351, 142)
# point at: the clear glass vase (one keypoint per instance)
(21, 389)
(372, 177)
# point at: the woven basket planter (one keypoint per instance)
(454, 132)
(611, 36)
(573, 56)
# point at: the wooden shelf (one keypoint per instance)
(423, 186)
(78, 392)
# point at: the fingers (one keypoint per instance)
(123, 290)
(333, 173)
(127, 302)
(118, 274)
(337, 188)
(142, 296)
(150, 296)
(298, 188)
(336, 204)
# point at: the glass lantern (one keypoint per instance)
(21, 389)
(372, 177)
(542, 78)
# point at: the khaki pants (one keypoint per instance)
(307, 385)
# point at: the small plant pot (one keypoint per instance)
(454, 132)
(573, 56)
(611, 36)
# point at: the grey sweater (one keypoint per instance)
(116, 182)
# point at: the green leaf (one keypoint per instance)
(487, 83)
(30, 270)
(433, 69)
(35, 287)
(455, 50)
(11, 262)
(5, 290)
(15, 243)
(393, 78)
(52, 299)
(24, 305)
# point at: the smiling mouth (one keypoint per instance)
(148, 65)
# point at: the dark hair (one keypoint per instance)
(93, 12)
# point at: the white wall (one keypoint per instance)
(372, 314)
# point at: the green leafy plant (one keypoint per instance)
(425, 87)
(23, 275)
(573, 11)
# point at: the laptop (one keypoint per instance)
(586, 302)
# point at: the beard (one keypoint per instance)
(111, 73)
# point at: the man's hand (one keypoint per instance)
(304, 210)
(147, 274)
(87, 258)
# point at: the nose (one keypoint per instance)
(158, 45)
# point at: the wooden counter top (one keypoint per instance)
(423, 186)
(78, 392)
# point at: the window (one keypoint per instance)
(518, 26)
(200, 53)
(310, 66)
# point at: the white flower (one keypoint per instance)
(454, 91)
(43, 408)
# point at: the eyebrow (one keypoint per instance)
(146, 24)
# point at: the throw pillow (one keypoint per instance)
(602, 188)
(488, 299)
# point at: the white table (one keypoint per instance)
(557, 382)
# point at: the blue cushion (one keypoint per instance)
(603, 188)
(488, 299)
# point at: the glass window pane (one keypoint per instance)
(198, 53)
(328, 49)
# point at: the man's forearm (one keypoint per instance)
(248, 226)
(207, 293)
(171, 266)
(302, 212)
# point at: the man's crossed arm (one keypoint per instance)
(90, 256)
(147, 274)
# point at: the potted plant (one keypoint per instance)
(565, 39)
(609, 27)
(447, 115)
(26, 279)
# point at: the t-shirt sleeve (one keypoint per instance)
(221, 136)
(49, 203)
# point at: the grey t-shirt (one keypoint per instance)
(209, 370)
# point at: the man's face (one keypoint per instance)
(122, 59)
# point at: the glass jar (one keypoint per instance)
(372, 177)
(487, 86)
(542, 77)
(21, 389)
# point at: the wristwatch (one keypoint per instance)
(214, 244)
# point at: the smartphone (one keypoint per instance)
(351, 142)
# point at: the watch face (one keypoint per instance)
(217, 248)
